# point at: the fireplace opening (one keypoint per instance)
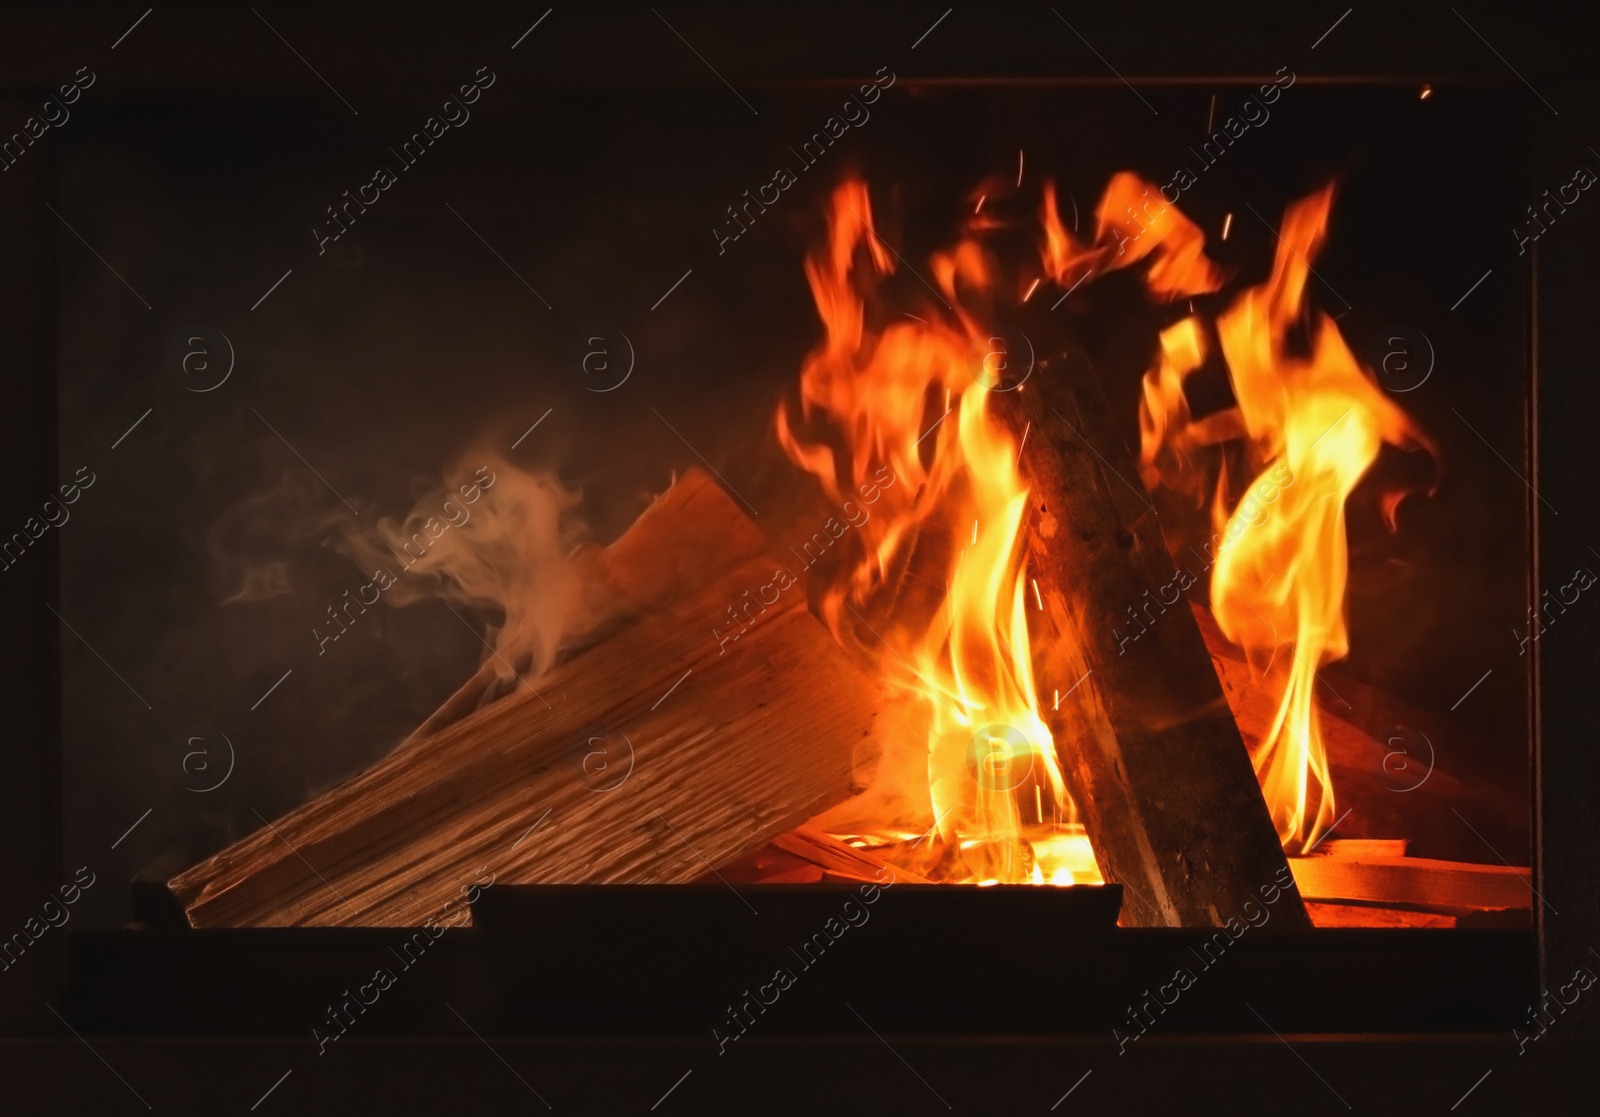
(918, 482)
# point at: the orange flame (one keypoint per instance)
(913, 397)
(1131, 226)
(1311, 426)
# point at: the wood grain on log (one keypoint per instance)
(1362, 847)
(1420, 881)
(1147, 743)
(1325, 914)
(663, 750)
(840, 858)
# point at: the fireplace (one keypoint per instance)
(689, 561)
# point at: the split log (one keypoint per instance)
(1391, 787)
(806, 855)
(1324, 914)
(1147, 744)
(841, 858)
(1418, 881)
(663, 750)
(1398, 773)
(1362, 847)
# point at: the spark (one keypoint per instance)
(1227, 224)
(979, 208)
(936, 422)
(1036, 596)
(1073, 288)
(1034, 286)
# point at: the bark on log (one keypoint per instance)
(663, 751)
(1148, 746)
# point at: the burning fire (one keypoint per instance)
(938, 596)
(1310, 427)
(1128, 230)
(914, 396)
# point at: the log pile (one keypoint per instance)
(648, 757)
(806, 855)
(712, 716)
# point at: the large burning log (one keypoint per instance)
(715, 715)
(1147, 744)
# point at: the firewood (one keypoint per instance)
(840, 858)
(1418, 881)
(805, 874)
(1362, 847)
(1398, 774)
(666, 748)
(1148, 746)
(1324, 914)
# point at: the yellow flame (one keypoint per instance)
(881, 393)
(1311, 426)
(914, 396)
